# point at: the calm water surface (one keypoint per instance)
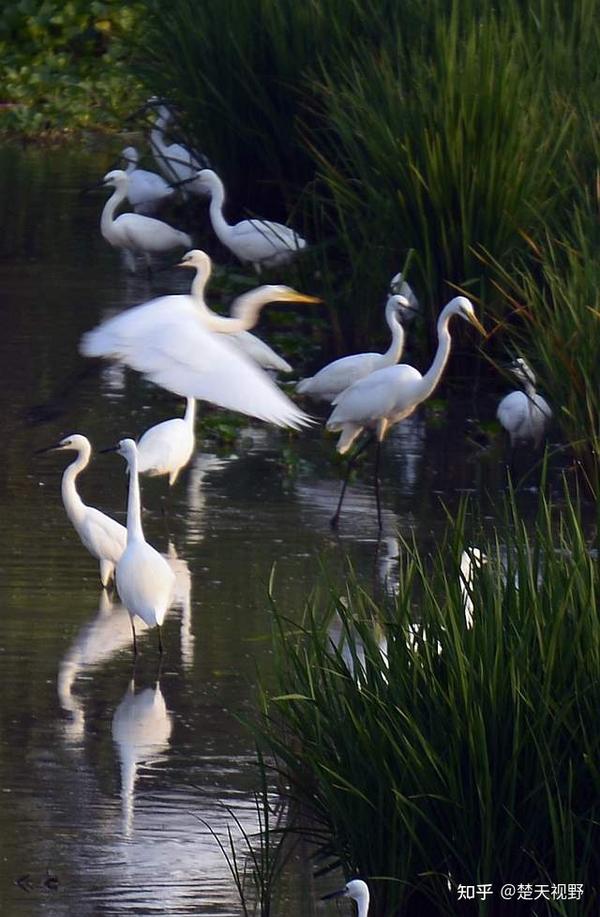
(108, 777)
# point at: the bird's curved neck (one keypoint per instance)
(434, 373)
(394, 351)
(190, 412)
(111, 205)
(247, 307)
(74, 505)
(134, 504)
(529, 389)
(199, 282)
(220, 224)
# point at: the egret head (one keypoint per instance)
(280, 293)
(75, 442)
(462, 306)
(523, 371)
(209, 180)
(398, 306)
(196, 259)
(130, 155)
(356, 889)
(127, 448)
(115, 178)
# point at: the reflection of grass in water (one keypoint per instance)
(461, 754)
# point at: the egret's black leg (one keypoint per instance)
(378, 484)
(160, 643)
(351, 462)
(134, 637)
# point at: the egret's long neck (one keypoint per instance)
(190, 413)
(363, 906)
(111, 205)
(529, 389)
(220, 224)
(74, 505)
(247, 307)
(200, 280)
(134, 505)
(434, 373)
(394, 351)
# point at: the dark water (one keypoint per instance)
(108, 785)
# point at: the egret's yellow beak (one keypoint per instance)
(294, 296)
(475, 321)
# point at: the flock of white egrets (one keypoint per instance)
(180, 344)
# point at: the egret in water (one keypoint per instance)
(177, 163)
(262, 243)
(388, 395)
(525, 415)
(334, 378)
(167, 447)
(105, 538)
(175, 342)
(135, 233)
(251, 345)
(146, 191)
(145, 581)
(356, 889)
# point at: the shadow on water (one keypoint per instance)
(107, 774)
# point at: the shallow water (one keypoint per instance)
(109, 778)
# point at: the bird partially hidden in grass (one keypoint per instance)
(145, 581)
(389, 395)
(104, 538)
(358, 890)
(525, 415)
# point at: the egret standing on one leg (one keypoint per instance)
(524, 415)
(249, 343)
(144, 579)
(146, 191)
(390, 395)
(167, 447)
(134, 233)
(262, 243)
(334, 378)
(105, 538)
(356, 889)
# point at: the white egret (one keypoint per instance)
(105, 538)
(356, 889)
(525, 415)
(471, 559)
(388, 395)
(167, 447)
(135, 233)
(399, 287)
(251, 345)
(176, 162)
(145, 581)
(334, 378)
(146, 191)
(262, 243)
(172, 340)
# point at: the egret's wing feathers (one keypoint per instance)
(105, 536)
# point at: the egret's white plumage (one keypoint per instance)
(525, 415)
(358, 890)
(145, 581)
(334, 378)
(105, 538)
(261, 243)
(135, 233)
(167, 447)
(146, 191)
(173, 341)
(389, 395)
(175, 161)
(249, 343)
(399, 287)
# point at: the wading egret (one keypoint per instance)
(358, 891)
(524, 415)
(389, 395)
(105, 538)
(145, 581)
(175, 161)
(251, 345)
(334, 378)
(167, 447)
(262, 243)
(134, 233)
(146, 191)
(174, 341)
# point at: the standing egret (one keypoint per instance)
(173, 340)
(334, 378)
(524, 415)
(167, 447)
(389, 395)
(105, 538)
(251, 345)
(358, 891)
(145, 581)
(175, 161)
(262, 243)
(146, 191)
(135, 233)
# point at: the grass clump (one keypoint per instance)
(425, 754)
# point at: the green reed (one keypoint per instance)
(454, 755)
